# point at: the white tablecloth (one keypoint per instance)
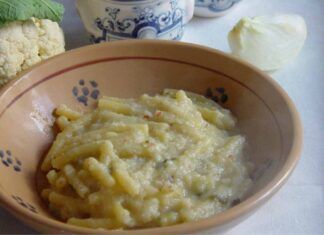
(298, 208)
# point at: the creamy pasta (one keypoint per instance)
(152, 161)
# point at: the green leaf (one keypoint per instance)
(48, 9)
(12, 10)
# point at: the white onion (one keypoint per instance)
(268, 42)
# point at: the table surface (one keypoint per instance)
(298, 208)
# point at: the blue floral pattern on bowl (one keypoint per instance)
(86, 90)
(216, 5)
(26, 205)
(211, 8)
(146, 23)
(218, 95)
(9, 161)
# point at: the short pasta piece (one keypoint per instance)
(92, 223)
(123, 178)
(81, 189)
(62, 122)
(70, 114)
(99, 172)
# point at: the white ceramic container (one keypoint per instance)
(110, 20)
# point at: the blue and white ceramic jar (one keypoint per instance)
(110, 20)
(214, 8)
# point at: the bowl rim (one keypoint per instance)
(223, 218)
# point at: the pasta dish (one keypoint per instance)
(146, 162)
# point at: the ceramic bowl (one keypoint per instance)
(214, 8)
(110, 20)
(266, 115)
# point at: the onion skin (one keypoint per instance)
(268, 42)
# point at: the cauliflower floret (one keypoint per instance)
(25, 43)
